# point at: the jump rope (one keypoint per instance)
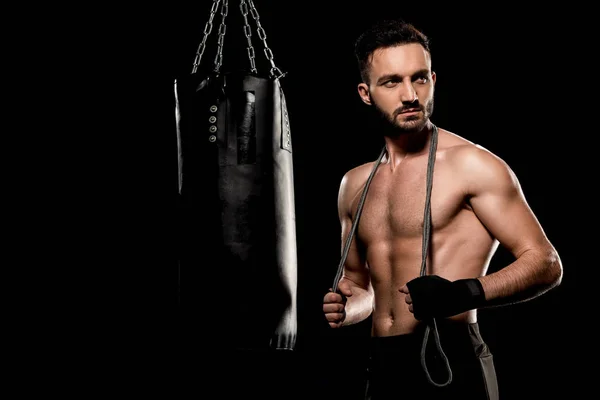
(432, 325)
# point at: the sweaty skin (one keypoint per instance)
(476, 204)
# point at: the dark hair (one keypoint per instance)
(383, 34)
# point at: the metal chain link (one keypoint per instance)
(274, 72)
(248, 33)
(207, 30)
(221, 40)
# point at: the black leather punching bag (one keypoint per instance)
(237, 260)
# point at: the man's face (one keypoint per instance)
(401, 86)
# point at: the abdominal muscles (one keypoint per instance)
(461, 249)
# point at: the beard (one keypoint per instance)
(393, 127)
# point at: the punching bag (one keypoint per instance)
(237, 230)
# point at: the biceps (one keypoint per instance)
(508, 218)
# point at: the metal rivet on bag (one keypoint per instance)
(213, 108)
(212, 128)
(212, 138)
(212, 119)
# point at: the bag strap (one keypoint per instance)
(245, 7)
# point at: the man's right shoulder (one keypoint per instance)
(354, 180)
(358, 175)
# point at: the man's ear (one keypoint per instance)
(363, 91)
(433, 76)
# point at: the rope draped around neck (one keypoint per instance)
(424, 251)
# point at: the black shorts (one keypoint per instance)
(395, 370)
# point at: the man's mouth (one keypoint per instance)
(410, 111)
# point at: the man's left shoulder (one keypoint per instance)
(473, 155)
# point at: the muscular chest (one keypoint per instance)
(395, 203)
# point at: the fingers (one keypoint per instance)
(334, 309)
(335, 324)
(333, 297)
(335, 320)
(335, 313)
(344, 288)
(407, 298)
(404, 289)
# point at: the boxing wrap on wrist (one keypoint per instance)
(435, 297)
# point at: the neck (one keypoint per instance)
(407, 144)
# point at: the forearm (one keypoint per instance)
(533, 273)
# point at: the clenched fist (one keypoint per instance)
(334, 304)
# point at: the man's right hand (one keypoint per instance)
(334, 304)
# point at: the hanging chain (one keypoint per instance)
(207, 30)
(248, 33)
(275, 71)
(221, 40)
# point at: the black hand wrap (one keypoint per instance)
(435, 297)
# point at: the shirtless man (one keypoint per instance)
(476, 204)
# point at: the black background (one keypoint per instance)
(508, 79)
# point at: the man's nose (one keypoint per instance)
(409, 94)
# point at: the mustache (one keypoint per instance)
(402, 109)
